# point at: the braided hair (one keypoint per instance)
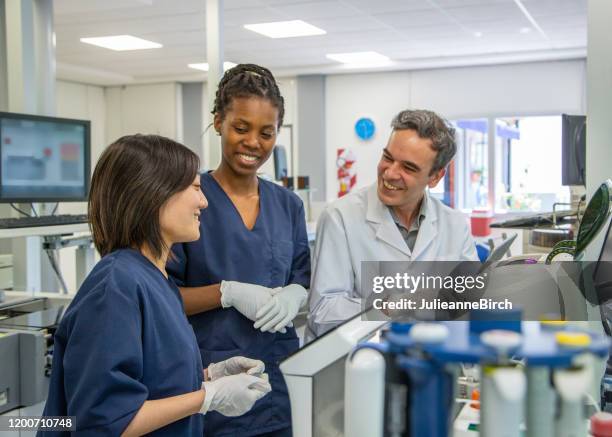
(248, 80)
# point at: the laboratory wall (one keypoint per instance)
(150, 108)
(311, 119)
(288, 89)
(542, 88)
(76, 100)
(288, 136)
(193, 116)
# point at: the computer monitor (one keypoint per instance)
(43, 159)
(573, 152)
(280, 162)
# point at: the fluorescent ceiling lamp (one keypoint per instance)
(121, 43)
(360, 59)
(285, 29)
(204, 66)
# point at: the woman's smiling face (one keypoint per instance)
(248, 133)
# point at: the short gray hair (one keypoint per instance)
(429, 125)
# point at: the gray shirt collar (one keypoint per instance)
(414, 226)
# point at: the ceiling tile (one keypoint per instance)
(400, 29)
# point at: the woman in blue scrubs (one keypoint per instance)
(244, 280)
(125, 360)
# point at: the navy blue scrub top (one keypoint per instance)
(274, 253)
(123, 340)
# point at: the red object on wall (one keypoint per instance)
(480, 221)
(345, 160)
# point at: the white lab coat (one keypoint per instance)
(359, 227)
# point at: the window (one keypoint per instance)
(470, 164)
(531, 147)
(514, 167)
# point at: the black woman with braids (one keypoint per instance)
(244, 281)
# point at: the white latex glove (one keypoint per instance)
(281, 309)
(233, 395)
(234, 366)
(246, 298)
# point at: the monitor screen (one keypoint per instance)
(573, 149)
(43, 159)
(280, 162)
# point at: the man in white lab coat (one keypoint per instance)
(394, 219)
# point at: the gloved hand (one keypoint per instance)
(234, 366)
(281, 309)
(246, 298)
(233, 395)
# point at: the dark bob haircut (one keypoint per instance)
(133, 179)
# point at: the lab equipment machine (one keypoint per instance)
(27, 325)
(314, 376)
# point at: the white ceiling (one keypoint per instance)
(413, 33)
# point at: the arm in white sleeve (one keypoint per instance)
(333, 297)
(468, 252)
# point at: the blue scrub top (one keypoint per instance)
(123, 340)
(274, 253)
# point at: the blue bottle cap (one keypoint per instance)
(400, 327)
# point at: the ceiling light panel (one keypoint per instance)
(285, 29)
(204, 66)
(121, 43)
(359, 58)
